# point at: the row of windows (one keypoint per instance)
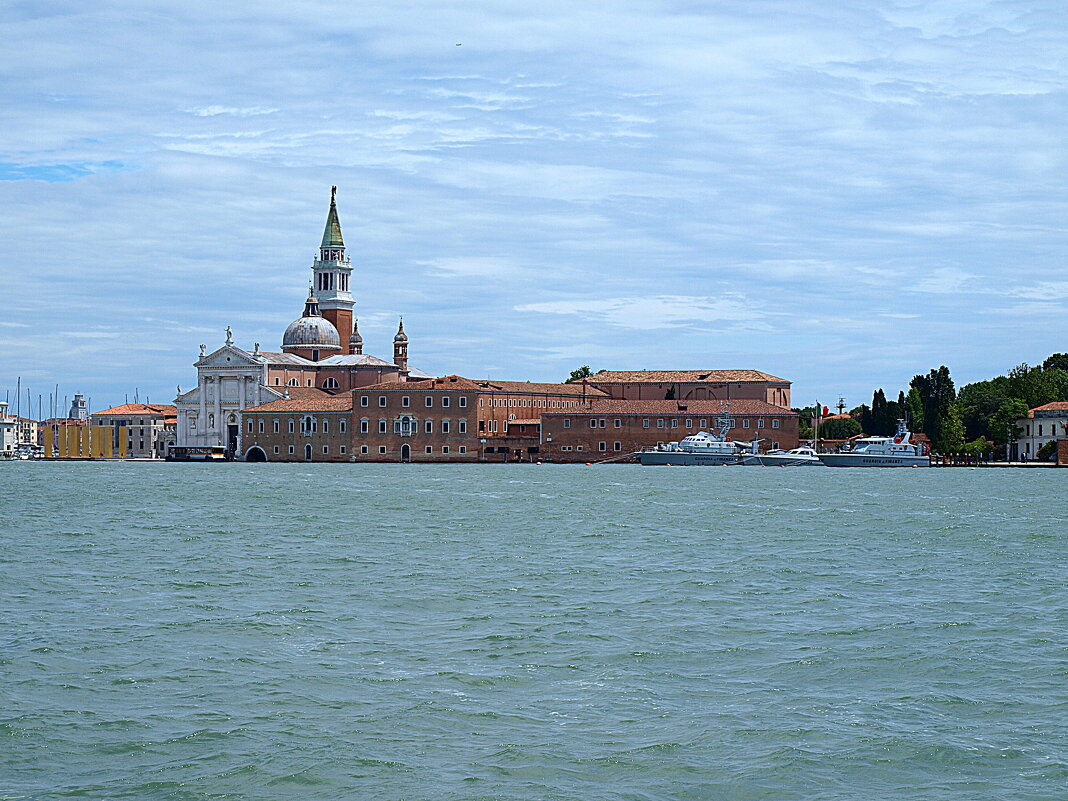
(662, 422)
(409, 425)
(327, 280)
(406, 401)
(326, 450)
(536, 403)
(308, 425)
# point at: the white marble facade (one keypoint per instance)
(228, 380)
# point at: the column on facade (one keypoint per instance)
(202, 423)
(218, 410)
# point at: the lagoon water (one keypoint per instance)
(531, 632)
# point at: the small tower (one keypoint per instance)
(78, 410)
(332, 272)
(400, 347)
(356, 341)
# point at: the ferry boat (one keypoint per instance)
(701, 448)
(779, 458)
(895, 451)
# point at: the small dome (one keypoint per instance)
(401, 336)
(311, 332)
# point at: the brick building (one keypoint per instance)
(608, 428)
(310, 426)
(145, 427)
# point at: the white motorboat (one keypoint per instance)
(701, 448)
(780, 458)
(896, 451)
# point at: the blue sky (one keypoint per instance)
(841, 193)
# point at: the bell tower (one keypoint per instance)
(400, 348)
(332, 272)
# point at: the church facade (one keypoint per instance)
(321, 354)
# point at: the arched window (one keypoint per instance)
(292, 383)
(331, 383)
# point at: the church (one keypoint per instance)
(321, 354)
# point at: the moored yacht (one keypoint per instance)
(895, 451)
(779, 458)
(701, 448)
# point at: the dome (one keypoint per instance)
(311, 332)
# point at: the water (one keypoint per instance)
(524, 632)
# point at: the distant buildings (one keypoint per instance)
(9, 432)
(321, 398)
(145, 428)
(1043, 424)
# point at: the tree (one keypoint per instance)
(951, 432)
(579, 374)
(839, 428)
(1058, 361)
(938, 397)
(1047, 451)
(914, 410)
(1003, 421)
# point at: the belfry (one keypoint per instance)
(332, 273)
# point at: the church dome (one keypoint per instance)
(311, 331)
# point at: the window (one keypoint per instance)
(745, 423)
(445, 401)
(364, 400)
(292, 382)
(326, 425)
(689, 423)
(593, 423)
(463, 449)
(645, 423)
(660, 423)
(381, 426)
(428, 427)
(602, 446)
(674, 422)
(341, 449)
(363, 449)
(702, 423)
(462, 426)
(365, 425)
(444, 448)
(463, 401)
(291, 449)
(760, 422)
(444, 426)
(567, 422)
(381, 448)
(331, 383)
(326, 449)
(406, 401)
(618, 423)
(481, 426)
(277, 381)
(342, 425)
(617, 446)
(565, 447)
(775, 423)
(259, 427)
(192, 424)
(276, 449)
(429, 401)
(275, 426)
(382, 401)
(429, 448)
(250, 425)
(578, 447)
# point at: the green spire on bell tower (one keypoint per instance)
(332, 235)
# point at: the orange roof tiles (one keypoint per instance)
(309, 400)
(684, 376)
(146, 409)
(1056, 406)
(703, 408)
(455, 382)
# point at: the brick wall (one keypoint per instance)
(328, 433)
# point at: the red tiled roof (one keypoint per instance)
(684, 376)
(1056, 406)
(455, 382)
(307, 400)
(535, 421)
(703, 408)
(146, 409)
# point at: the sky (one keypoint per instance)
(843, 193)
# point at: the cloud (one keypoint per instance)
(650, 313)
(215, 111)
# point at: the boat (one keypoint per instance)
(702, 448)
(896, 451)
(780, 458)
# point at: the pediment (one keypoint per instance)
(228, 356)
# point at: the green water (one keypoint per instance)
(531, 632)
